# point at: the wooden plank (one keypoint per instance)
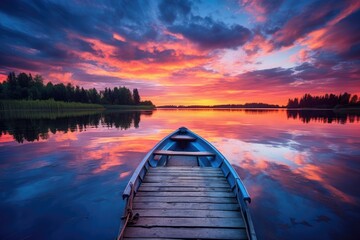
(186, 199)
(177, 178)
(188, 213)
(132, 238)
(181, 168)
(169, 168)
(178, 169)
(183, 138)
(186, 171)
(184, 153)
(193, 206)
(187, 168)
(197, 175)
(144, 188)
(185, 174)
(185, 194)
(188, 161)
(174, 180)
(190, 222)
(194, 233)
(186, 184)
(186, 181)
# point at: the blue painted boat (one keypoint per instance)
(185, 188)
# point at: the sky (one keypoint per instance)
(185, 52)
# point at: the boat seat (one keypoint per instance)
(183, 153)
(184, 138)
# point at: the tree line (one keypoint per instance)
(24, 86)
(325, 101)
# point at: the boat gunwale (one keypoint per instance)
(239, 182)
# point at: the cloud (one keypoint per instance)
(305, 22)
(171, 10)
(209, 34)
(49, 18)
(340, 39)
(261, 8)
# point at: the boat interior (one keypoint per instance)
(185, 187)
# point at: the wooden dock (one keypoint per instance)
(180, 202)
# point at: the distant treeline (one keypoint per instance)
(246, 105)
(326, 101)
(26, 87)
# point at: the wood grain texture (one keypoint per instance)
(161, 179)
(188, 213)
(190, 222)
(188, 206)
(186, 199)
(187, 184)
(185, 174)
(193, 233)
(197, 168)
(186, 203)
(186, 194)
(181, 189)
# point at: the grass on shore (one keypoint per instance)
(37, 114)
(52, 106)
(46, 105)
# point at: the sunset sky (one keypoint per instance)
(187, 52)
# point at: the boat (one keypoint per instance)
(185, 188)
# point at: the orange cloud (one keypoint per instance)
(64, 77)
(184, 56)
(329, 37)
(119, 37)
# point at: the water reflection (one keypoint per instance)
(302, 177)
(35, 126)
(325, 116)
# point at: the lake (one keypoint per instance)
(62, 175)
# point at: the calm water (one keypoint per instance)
(61, 177)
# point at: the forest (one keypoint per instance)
(326, 101)
(25, 87)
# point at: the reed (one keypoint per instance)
(36, 114)
(46, 105)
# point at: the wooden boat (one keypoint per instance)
(185, 188)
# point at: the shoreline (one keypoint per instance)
(59, 106)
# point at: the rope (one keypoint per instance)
(130, 216)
